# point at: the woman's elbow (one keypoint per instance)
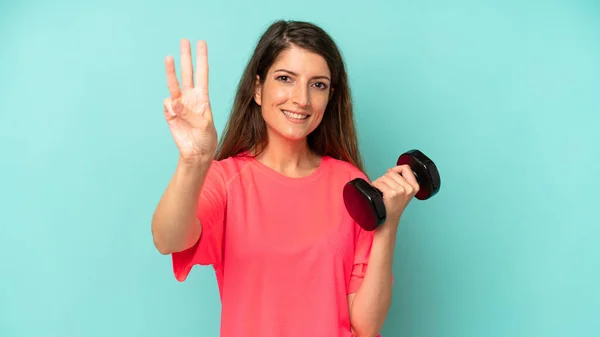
(160, 243)
(367, 335)
(166, 243)
(161, 247)
(366, 330)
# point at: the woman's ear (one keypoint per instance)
(257, 90)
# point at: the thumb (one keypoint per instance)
(168, 109)
(177, 106)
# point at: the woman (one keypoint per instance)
(265, 208)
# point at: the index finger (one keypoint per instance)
(202, 66)
(407, 172)
(172, 82)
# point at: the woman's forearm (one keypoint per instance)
(175, 226)
(372, 301)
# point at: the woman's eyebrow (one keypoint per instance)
(295, 74)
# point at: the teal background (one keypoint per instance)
(504, 96)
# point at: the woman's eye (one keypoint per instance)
(285, 78)
(321, 85)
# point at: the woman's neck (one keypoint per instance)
(293, 159)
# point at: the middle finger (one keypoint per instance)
(396, 180)
(187, 72)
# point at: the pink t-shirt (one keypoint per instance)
(285, 251)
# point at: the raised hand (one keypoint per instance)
(187, 110)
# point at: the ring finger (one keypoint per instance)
(172, 82)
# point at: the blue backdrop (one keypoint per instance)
(504, 96)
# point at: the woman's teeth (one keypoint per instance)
(294, 115)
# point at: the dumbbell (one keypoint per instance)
(364, 202)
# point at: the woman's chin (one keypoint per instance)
(290, 137)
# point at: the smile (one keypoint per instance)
(293, 115)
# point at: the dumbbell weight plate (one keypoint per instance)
(364, 203)
(424, 170)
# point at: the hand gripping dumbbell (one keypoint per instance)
(364, 202)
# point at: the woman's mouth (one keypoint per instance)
(295, 116)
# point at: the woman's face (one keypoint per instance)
(294, 94)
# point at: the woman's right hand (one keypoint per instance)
(187, 110)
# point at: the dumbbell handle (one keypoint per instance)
(415, 174)
(365, 203)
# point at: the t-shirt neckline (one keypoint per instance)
(286, 179)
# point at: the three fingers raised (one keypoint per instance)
(187, 72)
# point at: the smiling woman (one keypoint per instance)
(265, 207)
(293, 101)
(296, 68)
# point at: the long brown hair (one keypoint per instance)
(246, 130)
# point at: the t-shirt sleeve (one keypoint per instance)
(362, 251)
(212, 204)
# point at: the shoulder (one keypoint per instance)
(228, 168)
(345, 169)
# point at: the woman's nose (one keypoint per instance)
(301, 96)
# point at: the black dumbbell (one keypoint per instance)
(364, 202)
